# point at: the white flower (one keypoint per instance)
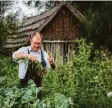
(96, 77)
(109, 94)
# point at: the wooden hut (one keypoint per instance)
(59, 26)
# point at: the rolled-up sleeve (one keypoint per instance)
(21, 50)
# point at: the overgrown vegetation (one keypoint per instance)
(80, 83)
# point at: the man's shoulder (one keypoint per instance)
(25, 48)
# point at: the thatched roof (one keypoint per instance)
(37, 23)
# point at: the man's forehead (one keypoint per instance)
(36, 35)
(36, 38)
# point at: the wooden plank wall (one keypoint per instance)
(62, 50)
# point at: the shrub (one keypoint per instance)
(87, 82)
(79, 83)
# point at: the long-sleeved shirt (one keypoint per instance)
(23, 63)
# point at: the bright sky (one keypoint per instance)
(27, 11)
(22, 9)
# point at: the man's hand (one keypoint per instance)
(51, 60)
(32, 57)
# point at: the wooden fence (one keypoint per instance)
(59, 48)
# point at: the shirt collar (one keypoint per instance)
(30, 49)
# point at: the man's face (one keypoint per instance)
(36, 42)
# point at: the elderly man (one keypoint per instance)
(33, 53)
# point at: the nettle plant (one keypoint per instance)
(86, 82)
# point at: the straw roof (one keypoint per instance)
(37, 23)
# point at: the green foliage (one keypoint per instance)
(14, 97)
(8, 72)
(8, 24)
(8, 27)
(26, 97)
(79, 83)
(98, 27)
(39, 69)
(87, 82)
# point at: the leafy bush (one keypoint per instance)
(8, 72)
(87, 82)
(79, 83)
(26, 97)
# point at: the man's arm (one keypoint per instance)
(21, 54)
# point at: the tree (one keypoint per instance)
(8, 24)
(4, 6)
(98, 27)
